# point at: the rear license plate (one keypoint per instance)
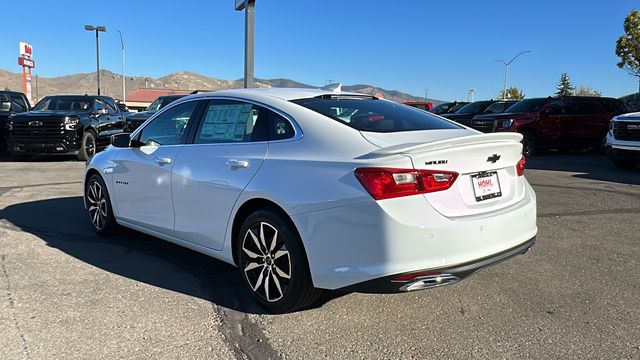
(486, 185)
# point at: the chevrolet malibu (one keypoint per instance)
(305, 190)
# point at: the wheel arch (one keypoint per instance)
(251, 206)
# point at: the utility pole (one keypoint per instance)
(249, 13)
(426, 94)
(97, 29)
(470, 95)
(124, 70)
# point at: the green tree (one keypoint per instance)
(628, 46)
(564, 87)
(586, 91)
(512, 93)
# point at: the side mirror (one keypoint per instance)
(102, 112)
(5, 106)
(122, 140)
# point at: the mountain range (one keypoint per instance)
(111, 84)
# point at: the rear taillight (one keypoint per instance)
(386, 183)
(520, 166)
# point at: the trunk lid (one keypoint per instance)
(483, 159)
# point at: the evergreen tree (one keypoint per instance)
(564, 87)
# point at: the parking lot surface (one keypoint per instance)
(67, 293)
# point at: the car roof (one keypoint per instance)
(276, 93)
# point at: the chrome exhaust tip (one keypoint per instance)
(431, 281)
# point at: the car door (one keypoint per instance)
(142, 174)
(548, 126)
(209, 175)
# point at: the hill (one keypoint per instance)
(111, 84)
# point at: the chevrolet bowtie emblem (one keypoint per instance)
(493, 158)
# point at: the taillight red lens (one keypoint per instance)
(521, 165)
(386, 183)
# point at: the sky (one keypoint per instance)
(447, 47)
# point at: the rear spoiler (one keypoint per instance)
(448, 143)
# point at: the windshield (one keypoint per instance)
(155, 106)
(375, 115)
(442, 108)
(474, 107)
(530, 105)
(65, 103)
(499, 107)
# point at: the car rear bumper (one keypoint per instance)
(430, 278)
(366, 242)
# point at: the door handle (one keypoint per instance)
(234, 164)
(164, 161)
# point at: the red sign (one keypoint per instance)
(22, 61)
(26, 49)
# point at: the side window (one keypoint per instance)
(19, 102)
(99, 105)
(280, 128)
(557, 107)
(169, 128)
(111, 106)
(226, 121)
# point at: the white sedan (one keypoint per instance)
(305, 190)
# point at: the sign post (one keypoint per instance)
(26, 61)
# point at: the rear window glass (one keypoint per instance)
(376, 115)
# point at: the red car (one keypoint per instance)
(560, 122)
(422, 105)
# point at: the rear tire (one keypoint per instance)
(273, 264)
(529, 143)
(625, 164)
(88, 146)
(99, 207)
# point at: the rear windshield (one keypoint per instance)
(531, 105)
(376, 115)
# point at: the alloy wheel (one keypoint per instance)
(97, 205)
(266, 262)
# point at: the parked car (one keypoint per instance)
(571, 121)
(466, 113)
(11, 102)
(133, 120)
(448, 107)
(65, 124)
(623, 141)
(229, 174)
(422, 105)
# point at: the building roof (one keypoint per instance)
(149, 95)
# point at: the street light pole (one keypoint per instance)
(97, 29)
(506, 71)
(249, 7)
(124, 70)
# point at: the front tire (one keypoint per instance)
(273, 264)
(88, 147)
(99, 207)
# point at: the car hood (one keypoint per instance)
(41, 114)
(140, 116)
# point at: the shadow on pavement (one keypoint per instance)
(62, 224)
(586, 166)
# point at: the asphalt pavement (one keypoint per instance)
(66, 293)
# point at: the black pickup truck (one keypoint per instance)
(65, 124)
(11, 102)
